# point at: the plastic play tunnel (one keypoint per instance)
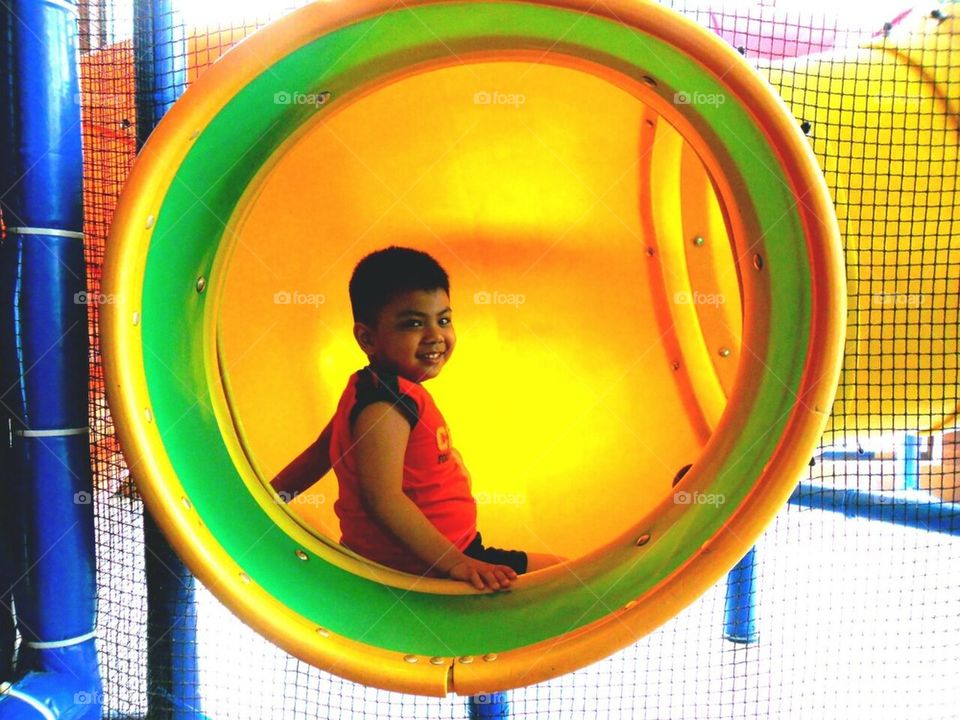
(580, 170)
(885, 121)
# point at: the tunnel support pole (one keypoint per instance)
(489, 706)
(173, 677)
(46, 478)
(908, 462)
(739, 622)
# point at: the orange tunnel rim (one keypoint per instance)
(174, 496)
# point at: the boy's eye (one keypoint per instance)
(443, 322)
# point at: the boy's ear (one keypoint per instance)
(365, 337)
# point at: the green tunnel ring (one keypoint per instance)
(224, 159)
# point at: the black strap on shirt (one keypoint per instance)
(382, 387)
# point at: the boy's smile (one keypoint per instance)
(414, 336)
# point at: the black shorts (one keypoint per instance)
(515, 559)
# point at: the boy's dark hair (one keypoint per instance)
(383, 274)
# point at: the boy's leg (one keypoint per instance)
(539, 561)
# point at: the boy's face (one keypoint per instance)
(414, 335)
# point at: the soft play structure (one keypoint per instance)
(703, 234)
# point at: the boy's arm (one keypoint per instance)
(381, 434)
(307, 468)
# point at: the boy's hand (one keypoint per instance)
(482, 575)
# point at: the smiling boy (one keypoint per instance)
(405, 497)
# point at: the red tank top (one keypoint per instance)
(432, 477)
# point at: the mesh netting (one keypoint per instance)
(855, 617)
